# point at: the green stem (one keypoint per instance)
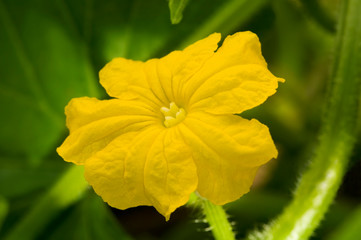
(319, 184)
(217, 220)
(66, 191)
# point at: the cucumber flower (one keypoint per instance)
(169, 129)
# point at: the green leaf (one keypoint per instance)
(322, 17)
(4, 208)
(91, 219)
(176, 8)
(28, 179)
(228, 16)
(129, 29)
(349, 229)
(65, 192)
(43, 64)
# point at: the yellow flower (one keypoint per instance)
(170, 129)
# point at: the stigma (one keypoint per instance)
(173, 115)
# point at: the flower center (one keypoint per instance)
(173, 115)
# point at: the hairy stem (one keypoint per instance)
(217, 220)
(319, 184)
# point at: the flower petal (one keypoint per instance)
(150, 167)
(116, 172)
(170, 174)
(156, 80)
(234, 90)
(93, 124)
(126, 79)
(182, 65)
(227, 151)
(225, 67)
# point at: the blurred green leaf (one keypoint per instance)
(349, 229)
(228, 16)
(322, 17)
(3, 210)
(176, 8)
(27, 178)
(91, 219)
(65, 192)
(42, 66)
(121, 28)
(129, 29)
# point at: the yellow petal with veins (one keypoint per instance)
(127, 80)
(182, 65)
(237, 63)
(170, 174)
(227, 151)
(93, 124)
(234, 90)
(149, 167)
(116, 173)
(157, 80)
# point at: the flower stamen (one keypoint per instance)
(173, 115)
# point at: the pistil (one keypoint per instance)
(173, 115)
